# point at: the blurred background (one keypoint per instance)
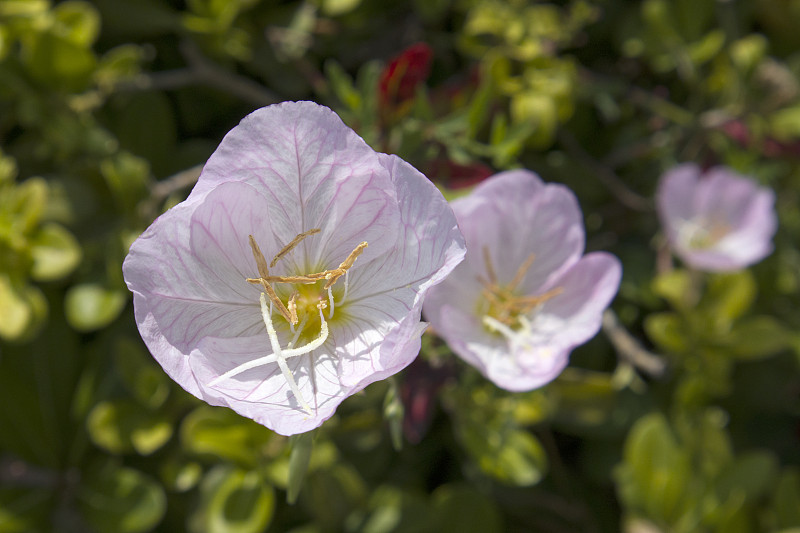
(682, 416)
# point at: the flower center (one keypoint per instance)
(306, 297)
(702, 233)
(505, 311)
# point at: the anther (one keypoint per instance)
(263, 271)
(521, 271)
(292, 307)
(289, 247)
(487, 259)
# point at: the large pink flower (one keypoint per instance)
(717, 221)
(525, 295)
(322, 300)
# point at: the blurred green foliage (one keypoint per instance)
(108, 107)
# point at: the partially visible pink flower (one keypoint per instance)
(525, 294)
(718, 220)
(293, 274)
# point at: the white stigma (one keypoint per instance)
(280, 355)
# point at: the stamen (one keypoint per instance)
(521, 271)
(489, 268)
(261, 261)
(347, 263)
(292, 305)
(263, 271)
(289, 247)
(333, 275)
(297, 333)
(330, 299)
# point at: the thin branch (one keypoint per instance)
(604, 174)
(630, 349)
(160, 190)
(202, 71)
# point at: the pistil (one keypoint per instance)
(290, 311)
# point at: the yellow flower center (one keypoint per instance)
(302, 301)
(503, 307)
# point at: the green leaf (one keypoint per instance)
(222, 433)
(124, 426)
(342, 85)
(60, 63)
(233, 500)
(749, 477)
(393, 411)
(757, 337)
(90, 306)
(728, 297)
(787, 494)
(785, 123)
(510, 455)
(55, 253)
(23, 310)
(331, 494)
(655, 472)
(23, 510)
(334, 8)
(121, 500)
(142, 376)
(181, 474)
(118, 64)
(299, 459)
(459, 508)
(667, 331)
(78, 21)
(676, 287)
(127, 177)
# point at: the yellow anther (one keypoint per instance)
(289, 247)
(521, 271)
(265, 279)
(505, 306)
(292, 306)
(263, 271)
(487, 259)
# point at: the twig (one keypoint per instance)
(630, 349)
(606, 175)
(17, 473)
(160, 190)
(201, 71)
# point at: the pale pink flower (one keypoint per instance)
(525, 295)
(355, 239)
(716, 221)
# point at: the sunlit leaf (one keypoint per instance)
(55, 253)
(233, 501)
(222, 433)
(91, 306)
(124, 426)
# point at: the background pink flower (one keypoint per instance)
(525, 295)
(716, 221)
